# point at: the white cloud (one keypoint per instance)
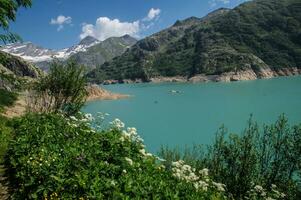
(152, 14)
(214, 3)
(105, 27)
(61, 20)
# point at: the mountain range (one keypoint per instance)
(261, 38)
(89, 51)
(257, 39)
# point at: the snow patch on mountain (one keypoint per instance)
(36, 54)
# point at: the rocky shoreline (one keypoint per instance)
(243, 75)
(97, 93)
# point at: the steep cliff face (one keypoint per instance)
(257, 34)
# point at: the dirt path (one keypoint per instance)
(4, 190)
(17, 109)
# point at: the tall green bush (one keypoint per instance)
(62, 89)
(266, 157)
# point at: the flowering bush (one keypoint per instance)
(54, 157)
(259, 193)
(200, 179)
(251, 164)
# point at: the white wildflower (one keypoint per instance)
(282, 195)
(160, 159)
(73, 118)
(132, 131)
(259, 188)
(204, 172)
(122, 139)
(117, 123)
(130, 161)
(149, 154)
(113, 182)
(84, 120)
(142, 151)
(126, 134)
(88, 117)
(201, 185)
(219, 186)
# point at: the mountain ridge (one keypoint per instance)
(42, 57)
(255, 35)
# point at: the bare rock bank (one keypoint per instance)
(242, 75)
(97, 93)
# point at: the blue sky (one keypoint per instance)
(58, 24)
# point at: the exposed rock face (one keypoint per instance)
(243, 75)
(168, 79)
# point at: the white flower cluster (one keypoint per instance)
(259, 189)
(184, 172)
(259, 192)
(276, 193)
(144, 153)
(200, 180)
(130, 161)
(117, 123)
(87, 118)
(84, 119)
(131, 135)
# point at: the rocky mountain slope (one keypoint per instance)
(260, 37)
(104, 51)
(19, 67)
(15, 70)
(100, 51)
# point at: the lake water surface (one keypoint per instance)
(193, 115)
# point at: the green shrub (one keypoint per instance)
(258, 160)
(54, 157)
(63, 89)
(7, 98)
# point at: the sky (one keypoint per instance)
(58, 24)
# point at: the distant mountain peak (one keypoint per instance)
(89, 51)
(88, 41)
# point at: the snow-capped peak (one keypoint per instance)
(36, 54)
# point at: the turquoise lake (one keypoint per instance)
(194, 115)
